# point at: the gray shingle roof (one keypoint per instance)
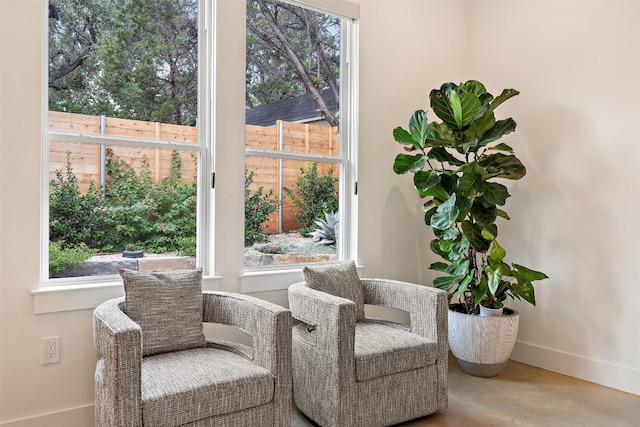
(300, 109)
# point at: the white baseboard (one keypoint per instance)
(609, 375)
(76, 417)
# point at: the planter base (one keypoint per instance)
(484, 370)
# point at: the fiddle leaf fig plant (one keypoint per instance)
(457, 164)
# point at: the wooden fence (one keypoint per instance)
(271, 174)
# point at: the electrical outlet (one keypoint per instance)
(50, 350)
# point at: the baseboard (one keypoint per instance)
(76, 417)
(609, 375)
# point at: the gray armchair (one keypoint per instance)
(352, 371)
(218, 384)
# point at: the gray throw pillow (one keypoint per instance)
(340, 280)
(168, 307)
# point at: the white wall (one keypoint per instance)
(574, 63)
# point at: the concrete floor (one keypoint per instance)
(523, 395)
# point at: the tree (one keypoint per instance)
(309, 43)
(128, 59)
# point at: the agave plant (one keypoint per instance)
(455, 166)
(326, 232)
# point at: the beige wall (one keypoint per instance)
(575, 64)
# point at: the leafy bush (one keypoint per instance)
(315, 194)
(62, 258)
(134, 212)
(138, 212)
(258, 205)
(71, 213)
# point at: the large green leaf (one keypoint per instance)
(525, 291)
(495, 194)
(442, 108)
(494, 276)
(473, 232)
(456, 107)
(434, 245)
(458, 268)
(497, 131)
(489, 231)
(478, 127)
(497, 253)
(440, 135)
(522, 273)
(506, 94)
(439, 266)
(404, 137)
(459, 246)
(503, 166)
(446, 282)
(483, 214)
(470, 106)
(464, 206)
(472, 182)
(443, 156)
(425, 179)
(473, 87)
(406, 163)
(446, 214)
(501, 147)
(418, 126)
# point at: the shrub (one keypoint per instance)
(258, 205)
(71, 213)
(315, 195)
(62, 258)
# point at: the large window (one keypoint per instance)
(299, 135)
(124, 138)
(128, 141)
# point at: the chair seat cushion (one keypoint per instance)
(382, 350)
(186, 386)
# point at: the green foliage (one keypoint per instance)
(155, 216)
(326, 232)
(455, 169)
(135, 212)
(61, 258)
(71, 213)
(258, 205)
(315, 195)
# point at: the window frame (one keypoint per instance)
(220, 82)
(203, 148)
(348, 137)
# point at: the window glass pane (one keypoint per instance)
(294, 153)
(124, 72)
(107, 203)
(283, 201)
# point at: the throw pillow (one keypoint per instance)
(340, 280)
(168, 307)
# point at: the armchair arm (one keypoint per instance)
(427, 306)
(270, 327)
(324, 355)
(118, 384)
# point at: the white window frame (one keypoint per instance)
(204, 148)
(348, 137)
(215, 90)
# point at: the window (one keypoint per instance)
(128, 139)
(299, 143)
(125, 138)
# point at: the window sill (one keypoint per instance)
(87, 296)
(84, 296)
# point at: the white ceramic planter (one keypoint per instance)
(482, 344)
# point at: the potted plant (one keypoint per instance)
(457, 165)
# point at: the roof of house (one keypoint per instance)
(299, 109)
